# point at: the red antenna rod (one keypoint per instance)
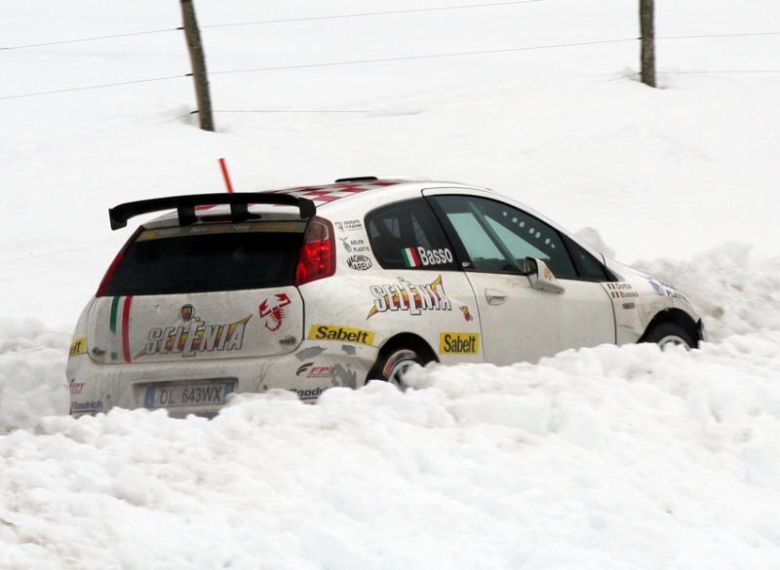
(225, 175)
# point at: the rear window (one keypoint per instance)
(208, 257)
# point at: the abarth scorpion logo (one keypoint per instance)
(272, 310)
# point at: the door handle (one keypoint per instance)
(495, 297)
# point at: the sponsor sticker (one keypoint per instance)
(272, 310)
(359, 262)
(310, 370)
(421, 257)
(309, 393)
(78, 347)
(459, 343)
(354, 245)
(466, 313)
(343, 334)
(666, 290)
(89, 407)
(621, 290)
(75, 387)
(410, 297)
(194, 336)
(349, 226)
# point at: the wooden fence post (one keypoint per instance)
(198, 61)
(647, 30)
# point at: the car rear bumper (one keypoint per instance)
(314, 367)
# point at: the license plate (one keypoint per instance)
(188, 394)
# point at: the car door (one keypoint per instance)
(492, 240)
(422, 290)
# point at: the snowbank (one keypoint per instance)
(602, 458)
(736, 289)
(32, 367)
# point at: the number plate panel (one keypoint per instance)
(188, 393)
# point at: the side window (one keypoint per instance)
(407, 235)
(498, 237)
(589, 268)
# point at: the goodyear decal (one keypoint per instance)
(78, 347)
(459, 343)
(343, 334)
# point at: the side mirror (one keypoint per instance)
(541, 276)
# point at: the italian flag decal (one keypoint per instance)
(120, 328)
(411, 257)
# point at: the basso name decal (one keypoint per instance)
(195, 336)
(344, 334)
(410, 297)
(458, 343)
(421, 257)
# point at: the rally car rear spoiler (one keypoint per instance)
(185, 206)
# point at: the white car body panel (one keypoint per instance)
(330, 332)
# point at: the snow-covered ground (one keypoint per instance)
(601, 458)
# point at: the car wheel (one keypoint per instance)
(393, 368)
(670, 334)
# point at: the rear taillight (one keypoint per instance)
(317, 258)
(110, 273)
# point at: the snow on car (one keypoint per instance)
(308, 288)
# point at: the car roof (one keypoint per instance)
(355, 197)
(353, 194)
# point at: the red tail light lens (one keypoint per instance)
(317, 258)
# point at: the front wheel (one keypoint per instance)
(670, 334)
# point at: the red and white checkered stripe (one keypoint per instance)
(333, 192)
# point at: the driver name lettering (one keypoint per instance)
(409, 297)
(421, 257)
(621, 290)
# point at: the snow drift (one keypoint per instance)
(600, 458)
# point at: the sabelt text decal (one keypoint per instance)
(405, 296)
(458, 343)
(78, 347)
(343, 334)
(194, 336)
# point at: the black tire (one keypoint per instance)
(667, 334)
(392, 366)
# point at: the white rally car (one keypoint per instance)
(308, 288)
